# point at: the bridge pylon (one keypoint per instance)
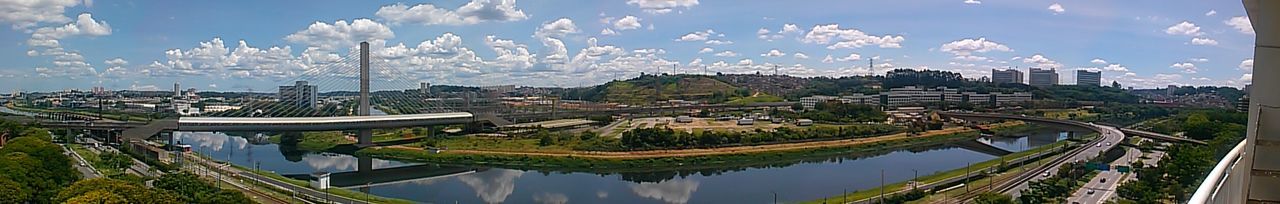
(364, 136)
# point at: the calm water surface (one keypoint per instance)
(790, 181)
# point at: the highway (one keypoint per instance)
(1104, 184)
(81, 165)
(1109, 138)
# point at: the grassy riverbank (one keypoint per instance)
(570, 163)
(335, 191)
(937, 177)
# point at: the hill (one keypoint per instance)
(643, 90)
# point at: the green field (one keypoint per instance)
(557, 163)
(94, 160)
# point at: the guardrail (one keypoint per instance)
(1223, 185)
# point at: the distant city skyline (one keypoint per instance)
(242, 45)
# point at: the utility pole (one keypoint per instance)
(881, 185)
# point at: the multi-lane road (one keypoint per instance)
(1109, 138)
(1103, 185)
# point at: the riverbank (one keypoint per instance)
(667, 159)
(942, 177)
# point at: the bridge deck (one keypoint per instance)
(319, 123)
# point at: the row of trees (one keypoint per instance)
(664, 138)
(1057, 188)
(1175, 176)
(834, 111)
(34, 170)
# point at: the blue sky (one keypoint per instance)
(149, 45)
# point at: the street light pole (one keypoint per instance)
(881, 185)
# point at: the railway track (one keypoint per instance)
(1025, 176)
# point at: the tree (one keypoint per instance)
(115, 160)
(797, 107)
(545, 140)
(37, 164)
(13, 192)
(197, 190)
(132, 193)
(993, 198)
(99, 197)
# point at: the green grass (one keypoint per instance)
(565, 163)
(93, 160)
(335, 191)
(520, 144)
(320, 141)
(868, 193)
(761, 98)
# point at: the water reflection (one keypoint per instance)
(549, 198)
(341, 162)
(820, 174)
(210, 141)
(493, 185)
(671, 191)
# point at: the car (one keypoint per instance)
(1099, 145)
(1090, 192)
(1045, 174)
(1108, 143)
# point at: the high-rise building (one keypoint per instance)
(424, 88)
(300, 94)
(177, 91)
(1006, 76)
(1086, 77)
(1044, 77)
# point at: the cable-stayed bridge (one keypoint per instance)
(398, 100)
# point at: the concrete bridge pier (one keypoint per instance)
(364, 164)
(365, 136)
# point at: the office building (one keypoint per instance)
(1006, 76)
(177, 91)
(1086, 77)
(912, 96)
(1044, 77)
(300, 94)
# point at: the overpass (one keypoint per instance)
(1158, 136)
(1139, 133)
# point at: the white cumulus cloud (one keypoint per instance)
(473, 12)
(848, 38)
(23, 14)
(1240, 23)
(627, 23)
(969, 46)
(1203, 41)
(1186, 67)
(1057, 8)
(800, 55)
(341, 34)
(1184, 28)
(662, 6)
(773, 53)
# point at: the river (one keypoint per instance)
(789, 181)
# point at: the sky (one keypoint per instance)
(257, 45)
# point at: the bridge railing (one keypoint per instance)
(1225, 184)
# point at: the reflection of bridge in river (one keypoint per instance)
(366, 176)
